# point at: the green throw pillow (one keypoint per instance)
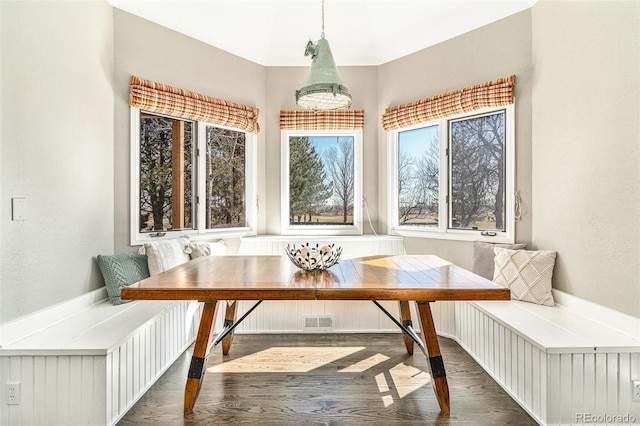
(121, 270)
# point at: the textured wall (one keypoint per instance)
(57, 150)
(586, 150)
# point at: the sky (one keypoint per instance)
(323, 143)
(414, 142)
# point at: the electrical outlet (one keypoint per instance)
(636, 390)
(13, 393)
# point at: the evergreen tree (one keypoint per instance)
(156, 172)
(308, 191)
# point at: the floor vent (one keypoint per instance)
(318, 323)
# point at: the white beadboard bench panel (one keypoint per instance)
(86, 361)
(347, 317)
(576, 358)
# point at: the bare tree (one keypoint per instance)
(418, 183)
(339, 163)
(477, 182)
(225, 171)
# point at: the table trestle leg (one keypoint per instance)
(406, 326)
(438, 374)
(230, 324)
(229, 317)
(405, 316)
(200, 353)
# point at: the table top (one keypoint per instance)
(385, 277)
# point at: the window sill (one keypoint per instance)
(311, 231)
(500, 237)
(141, 239)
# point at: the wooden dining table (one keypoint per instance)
(423, 279)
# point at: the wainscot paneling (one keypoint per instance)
(84, 379)
(555, 385)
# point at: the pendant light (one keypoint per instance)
(323, 89)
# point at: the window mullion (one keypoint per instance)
(201, 158)
(135, 173)
(392, 179)
(444, 177)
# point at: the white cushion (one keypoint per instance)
(163, 255)
(199, 249)
(527, 273)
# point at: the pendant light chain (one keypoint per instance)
(322, 34)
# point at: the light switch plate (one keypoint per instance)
(18, 209)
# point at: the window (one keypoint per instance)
(190, 177)
(225, 178)
(454, 177)
(321, 182)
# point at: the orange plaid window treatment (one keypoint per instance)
(323, 120)
(490, 94)
(163, 99)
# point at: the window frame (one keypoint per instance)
(442, 231)
(199, 230)
(286, 227)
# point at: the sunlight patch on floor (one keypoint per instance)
(365, 364)
(284, 359)
(407, 379)
(387, 400)
(381, 381)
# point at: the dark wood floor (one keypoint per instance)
(337, 379)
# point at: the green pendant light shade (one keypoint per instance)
(323, 89)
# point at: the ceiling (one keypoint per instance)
(360, 32)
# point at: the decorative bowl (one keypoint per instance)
(313, 257)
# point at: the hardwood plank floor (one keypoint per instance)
(328, 379)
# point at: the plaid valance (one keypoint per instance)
(323, 120)
(156, 97)
(491, 94)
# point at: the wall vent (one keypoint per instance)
(318, 323)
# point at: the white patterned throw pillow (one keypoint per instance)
(163, 255)
(527, 273)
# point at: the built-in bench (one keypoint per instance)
(562, 364)
(86, 361)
